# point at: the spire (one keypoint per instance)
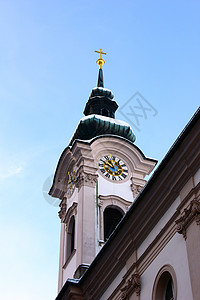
(101, 101)
(100, 78)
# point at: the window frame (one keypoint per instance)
(160, 286)
(116, 208)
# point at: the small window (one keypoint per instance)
(165, 284)
(70, 237)
(112, 217)
(105, 112)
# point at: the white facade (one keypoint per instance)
(154, 252)
(92, 194)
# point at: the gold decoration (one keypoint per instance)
(100, 61)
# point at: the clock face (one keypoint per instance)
(113, 167)
(71, 183)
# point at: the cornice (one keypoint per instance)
(106, 271)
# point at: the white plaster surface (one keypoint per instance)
(68, 272)
(72, 199)
(158, 227)
(121, 189)
(174, 254)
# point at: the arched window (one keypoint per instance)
(105, 112)
(112, 216)
(165, 284)
(70, 237)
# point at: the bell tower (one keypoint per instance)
(98, 176)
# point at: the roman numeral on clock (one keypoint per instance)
(123, 175)
(102, 171)
(113, 168)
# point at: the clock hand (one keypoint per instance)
(107, 163)
(113, 163)
(70, 178)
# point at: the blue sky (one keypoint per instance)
(47, 70)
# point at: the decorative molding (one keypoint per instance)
(136, 189)
(86, 179)
(160, 282)
(132, 285)
(62, 211)
(105, 201)
(100, 203)
(72, 211)
(110, 201)
(189, 214)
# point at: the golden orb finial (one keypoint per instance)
(100, 61)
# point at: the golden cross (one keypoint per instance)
(100, 52)
(100, 61)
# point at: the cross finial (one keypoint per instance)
(100, 61)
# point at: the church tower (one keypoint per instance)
(98, 176)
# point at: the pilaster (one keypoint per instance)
(189, 226)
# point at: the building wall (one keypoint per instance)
(175, 255)
(169, 249)
(111, 188)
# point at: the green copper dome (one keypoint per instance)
(96, 125)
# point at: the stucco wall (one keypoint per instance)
(115, 188)
(156, 230)
(173, 254)
(69, 270)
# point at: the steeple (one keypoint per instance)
(100, 113)
(96, 179)
(101, 101)
(100, 79)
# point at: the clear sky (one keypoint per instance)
(47, 70)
